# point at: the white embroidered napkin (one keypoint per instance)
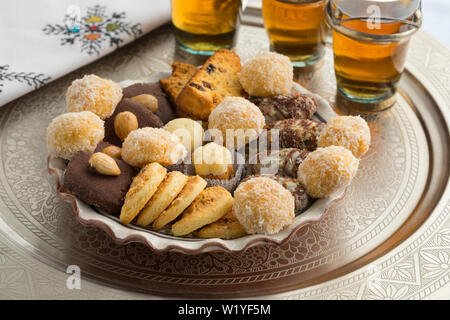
(46, 39)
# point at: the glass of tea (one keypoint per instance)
(370, 44)
(204, 26)
(296, 28)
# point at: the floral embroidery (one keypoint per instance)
(94, 29)
(32, 79)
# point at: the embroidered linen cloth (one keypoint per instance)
(46, 39)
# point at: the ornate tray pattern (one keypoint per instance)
(402, 174)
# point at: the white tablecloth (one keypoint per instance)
(46, 39)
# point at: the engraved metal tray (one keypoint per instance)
(388, 238)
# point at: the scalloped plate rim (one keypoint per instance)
(122, 234)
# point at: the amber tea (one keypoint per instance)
(369, 71)
(296, 28)
(204, 26)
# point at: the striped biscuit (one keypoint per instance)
(167, 191)
(191, 190)
(142, 188)
(211, 205)
(227, 227)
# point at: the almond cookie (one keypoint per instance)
(106, 193)
(211, 205)
(165, 111)
(145, 118)
(142, 188)
(167, 191)
(227, 227)
(191, 190)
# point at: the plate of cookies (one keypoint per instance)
(218, 157)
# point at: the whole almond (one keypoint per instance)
(113, 151)
(147, 100)
(124, 123)
(104, 164)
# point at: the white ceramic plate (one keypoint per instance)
(162, 242)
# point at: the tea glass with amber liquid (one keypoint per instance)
(370, 45)
(296, 28)
(204, 26)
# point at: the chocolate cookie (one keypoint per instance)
(165, 111)
(302, 199)
(104, 192)
(298, 106)
(145, 118)
(297, 133)
(284, 162)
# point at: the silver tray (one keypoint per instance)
(388, 238)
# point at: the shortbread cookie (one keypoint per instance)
(107, 193)
(217, 79)
(142, 188)
(191, 190)
(211, 205)
(165, 111)
(227, 227)
(163, 197)
(181, 74)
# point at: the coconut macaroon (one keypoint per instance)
(327, 171)
(268, 74)
(242, 119)
(147, 145)
(72, 132)
(262, 205)
(350, 132)
(92, 93)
